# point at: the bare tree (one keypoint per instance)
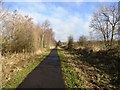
(3, 15)
(49, 38)
(105, 21)
(45, 26)
(21, 34)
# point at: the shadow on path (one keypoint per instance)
(46, 75)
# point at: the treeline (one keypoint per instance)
(105, 25)
(100, 52)
(20, 34)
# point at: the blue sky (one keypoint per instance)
(67, 18)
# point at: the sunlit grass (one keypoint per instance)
(71, 77)
(96, 70)
(21, 75)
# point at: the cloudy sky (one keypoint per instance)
(67, 18)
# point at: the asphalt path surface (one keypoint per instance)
(46, 75)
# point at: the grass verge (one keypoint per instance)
(89, 70)
(70, 76)
(20, 76)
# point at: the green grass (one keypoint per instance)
(71, 78)
(20, 76)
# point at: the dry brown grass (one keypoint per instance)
(11, 64)
(96, 70)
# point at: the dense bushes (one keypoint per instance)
(20, 34)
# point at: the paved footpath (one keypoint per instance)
(46, 75)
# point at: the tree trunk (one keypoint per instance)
(42, 41)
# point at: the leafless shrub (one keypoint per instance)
(20, 34)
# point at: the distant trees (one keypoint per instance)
(20, 34)
(70, 42)
(105, 22)
(82, 40)
(58, 43)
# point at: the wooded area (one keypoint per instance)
(22, 41)
(20, 34)
(94, 63)
(90, 62)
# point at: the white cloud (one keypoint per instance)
(61, 0)
(73, 25)
(64, 23)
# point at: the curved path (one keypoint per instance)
(46, 75)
